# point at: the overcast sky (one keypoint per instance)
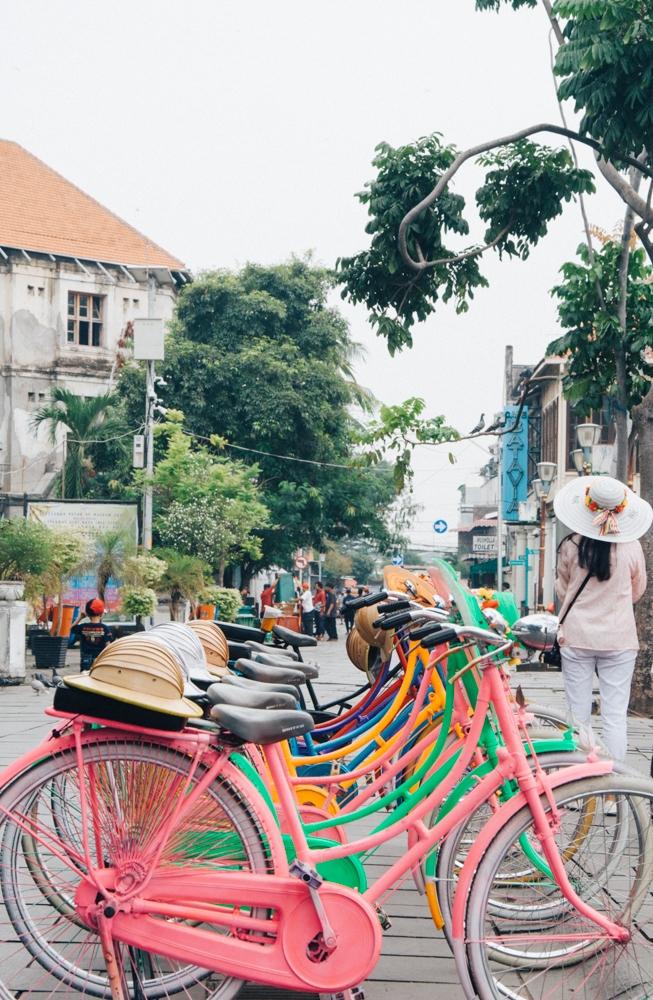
(240, 130)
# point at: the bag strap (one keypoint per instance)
(575, 597)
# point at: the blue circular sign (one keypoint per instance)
(440, 526)
(397, 560)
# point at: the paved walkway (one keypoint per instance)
(416, 963)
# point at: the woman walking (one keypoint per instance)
(600, 575)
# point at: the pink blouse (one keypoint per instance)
(602, 617)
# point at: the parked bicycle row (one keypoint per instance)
(191, 821)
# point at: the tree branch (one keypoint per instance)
(623, 188)
(555, 23)
(473, 252)
(485, 147)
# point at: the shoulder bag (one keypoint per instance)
(552, 656)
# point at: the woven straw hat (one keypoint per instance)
(214, 644)
(381, 638)
(362, 655)
(603, 508)
(138, 672)
(418, 588)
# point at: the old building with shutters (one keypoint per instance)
(72, 276)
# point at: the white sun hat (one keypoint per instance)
(603, 508)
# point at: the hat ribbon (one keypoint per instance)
(606, 517)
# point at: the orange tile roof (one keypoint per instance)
(41, 211)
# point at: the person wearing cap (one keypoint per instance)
(601, 574)
(308, 610)
(93, 635)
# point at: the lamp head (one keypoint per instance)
(588, 435)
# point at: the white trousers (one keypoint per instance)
(615, 671)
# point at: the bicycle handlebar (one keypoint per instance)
(368, 600)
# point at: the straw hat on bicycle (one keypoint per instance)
(141, 672)
(381, 638)
(417, 588)
(214, 644)
(602, 508)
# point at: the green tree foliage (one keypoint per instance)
(593, 334)
(378, 276)
(84, 422)
(207, 506)
(524, 189)
(606, 68)
(259, 359)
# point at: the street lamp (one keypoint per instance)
(588, 435)
(542, 487)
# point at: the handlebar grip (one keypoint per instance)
(368, 600)
(392, 621)
(391, 606)
(439, 638)
(424, 630)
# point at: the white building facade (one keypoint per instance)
(72, 278)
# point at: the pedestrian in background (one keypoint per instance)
(601, 573)
(319, 603)
(347, 612)
(308, 611)
(330, 611)
(93, 635)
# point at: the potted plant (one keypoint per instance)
(184, 578)
(25, 553)
(67, 553)
(208, 599)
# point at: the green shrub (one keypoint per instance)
(229, 601)
(138, 601)
(26, 549)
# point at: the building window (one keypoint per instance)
(549, 439)
(85, 319)
(31, 397)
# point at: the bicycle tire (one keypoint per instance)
(571, 957)
(44, 939)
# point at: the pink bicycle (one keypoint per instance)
(142, 864)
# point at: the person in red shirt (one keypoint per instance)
(319, 604)
(267, 597)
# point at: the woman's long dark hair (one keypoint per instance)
(594, 555)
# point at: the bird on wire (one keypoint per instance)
(480, 425)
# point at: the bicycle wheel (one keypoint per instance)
(46, 950)
(453, 851)
(510, 953)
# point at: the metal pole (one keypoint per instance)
(499, 515)
(540, 568)
(149, 457)
(149, 424)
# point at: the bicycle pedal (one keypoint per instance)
(355, 993)
(384, 920)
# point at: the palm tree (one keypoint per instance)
(81, 419)
(110, 551)
(184, 578)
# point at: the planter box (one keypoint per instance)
(50, 651)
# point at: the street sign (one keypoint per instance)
(440, 526)
(301, 562)
(398, 560)
(518, 562)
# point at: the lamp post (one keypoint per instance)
(587, 435)
(546, 472)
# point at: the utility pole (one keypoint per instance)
(149, 347)
(150, 397)
(499, 514)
